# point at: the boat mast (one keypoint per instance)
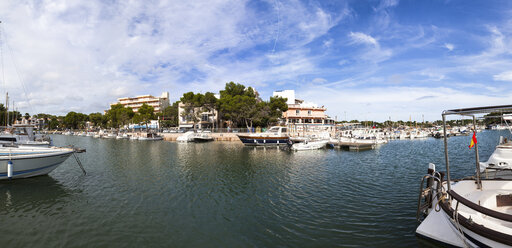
(6, 109)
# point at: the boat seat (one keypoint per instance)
(503, 200)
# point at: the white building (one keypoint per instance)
(288, 94)
(158, 103)
(304, 116)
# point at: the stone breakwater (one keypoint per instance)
(216, 136)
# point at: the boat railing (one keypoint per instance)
(426, 193)
(478, 208)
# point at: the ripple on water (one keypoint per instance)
(166, 194)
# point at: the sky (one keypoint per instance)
(364, 60)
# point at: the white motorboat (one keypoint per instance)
(123, 136)
(309, 145)
(470, 212)
(31, 161)
(24, 135)
(150, 136)
(202, 137)
(501, 158)
(186, 137)
(109, 136)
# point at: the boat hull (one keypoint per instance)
(202, 140)
(263, 141)
(32, 165)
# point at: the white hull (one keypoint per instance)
(312, 145)
(30, 163)
(155, 138)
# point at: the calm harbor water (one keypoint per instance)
(164, 194)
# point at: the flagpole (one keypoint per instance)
(478, 181)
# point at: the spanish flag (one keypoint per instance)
(473, 141)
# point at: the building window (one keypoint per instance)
(297, 112)
(309, 112)
(204, 117)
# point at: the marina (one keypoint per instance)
(256, 123)
(249, 196)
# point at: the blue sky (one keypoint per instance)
(366, 60)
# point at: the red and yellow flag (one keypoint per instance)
(473, 141)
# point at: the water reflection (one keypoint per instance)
(32, 194)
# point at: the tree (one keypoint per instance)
(242, 106)
(119, 115)
(75, 120)
(170, 116)
(97, 119)
(194, 105)
(237, 103)
(146, 113)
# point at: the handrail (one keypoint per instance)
(420, 196)
(478, 208)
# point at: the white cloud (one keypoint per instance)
(361, 38)
(449, 46)
(504, 76)
(396, 102)
(98, 51)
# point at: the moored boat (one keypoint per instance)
(202, 137)
(186, 137)
(150, 136)
(470, 212)
(275, 136)
(309, 145)
(31, 161)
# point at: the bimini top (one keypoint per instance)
(479, 110)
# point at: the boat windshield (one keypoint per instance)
(273, 130)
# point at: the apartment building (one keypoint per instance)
(158, 103)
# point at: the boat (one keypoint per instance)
(473, 211)
(501, 158)
(123, 136)
(109, 136)
(202, 137)
(31, 161)
(186, 137)
(275, 136)
(24, 135)
(150, 136)
(309, 145)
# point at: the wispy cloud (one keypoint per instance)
(504, 76)
(449, 46)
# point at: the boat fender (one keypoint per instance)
(9, 169)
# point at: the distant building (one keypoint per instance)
(158, 103)
(303, 116)
(288, 94)
(39, 123)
